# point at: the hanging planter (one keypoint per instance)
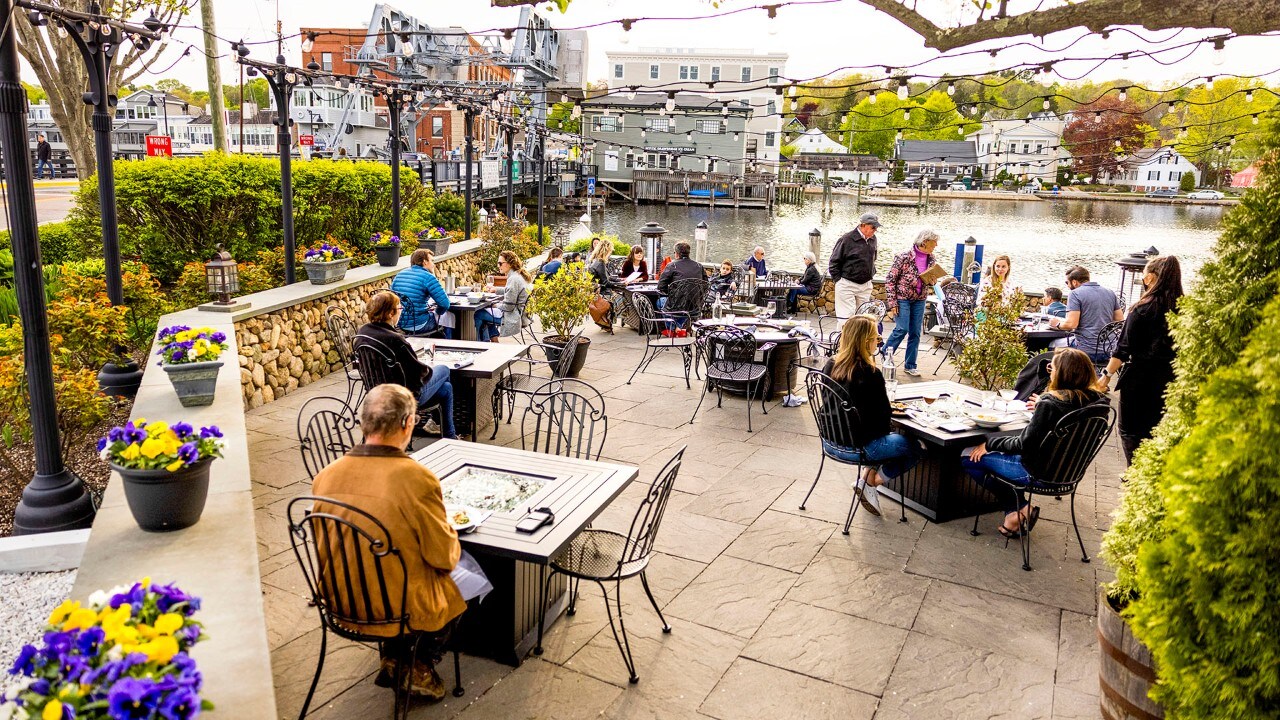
(326, 264)
(190, 359)
(165, 470)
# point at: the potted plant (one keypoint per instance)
(165, 469)
(434, 239)
(992, 358)
(190, 358)
(326, 264)
(561, 302)
(124, 653)
(387, 247)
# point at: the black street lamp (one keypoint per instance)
(152, 103)
(55, 499)
(511, 161)
(397, 99)
(469, 116)
(98, 37)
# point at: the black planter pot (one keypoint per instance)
(579, 359)
(388, 256)
(120, 379)
(163, 501)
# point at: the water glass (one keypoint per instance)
(771, 309)
(891, 389)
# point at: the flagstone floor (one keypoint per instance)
(774, 611)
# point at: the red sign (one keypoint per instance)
(159, 145)
(306, 139)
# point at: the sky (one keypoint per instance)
(820, 38)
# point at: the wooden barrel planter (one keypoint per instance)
(1127, 670)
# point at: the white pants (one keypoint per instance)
(850, 295)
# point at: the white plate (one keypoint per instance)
(473, 518)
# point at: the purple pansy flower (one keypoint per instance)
(180, 704)
(182, 429)
(218, 337)
(102, 444)
(25, 664)
(189, 452)
(131, 699)
(211, 431)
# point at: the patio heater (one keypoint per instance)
(1131, 267)
(700, 241)
(651, 240)
(815, 241)
(222, 278)
(968, 268)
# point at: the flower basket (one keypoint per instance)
(434, 239)
(323, 273)
(194, 382)
(388, 256)
(189, 357)
(165, 470)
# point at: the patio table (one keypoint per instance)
(938, 487)
(1038, 336)
(473, 384)
(782, 362)
(465, 311)
(775, 290)
(505, 626)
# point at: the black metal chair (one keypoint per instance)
(874, 308)
(325, 432)
(568, 419)
(652, 324)
(413, 316)
(1067, 451)
(1105, 343)
(958, 308)
(837, 421)
(526, 382)
(731, 359)
(341, 333)
(358, 584)
(604, 556)
(378, 366)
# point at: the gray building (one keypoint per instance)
(938, 161)
(652, 131)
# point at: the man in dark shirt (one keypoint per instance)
(853, 264)
(682, 268)
(43, 154)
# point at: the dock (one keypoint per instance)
(684, 187)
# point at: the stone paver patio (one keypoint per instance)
(774, 611)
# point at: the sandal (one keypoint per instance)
(1011, 534)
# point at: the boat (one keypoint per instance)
(708, 193)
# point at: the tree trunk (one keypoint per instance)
(216, 103)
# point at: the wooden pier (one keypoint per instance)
(754, 190)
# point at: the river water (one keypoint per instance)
(1043, 237)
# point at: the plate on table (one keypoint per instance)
(465, 519)
(898, 408)
(987, 419)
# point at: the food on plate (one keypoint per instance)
(460, 517)
(898, 406)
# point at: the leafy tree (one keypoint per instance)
(561, 118)
(1214, 117)
(35, 94)
(872, 127)
(1103, 135)
(256, 91)
(1187, 183)
(992, 358)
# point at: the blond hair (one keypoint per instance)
(857, 347)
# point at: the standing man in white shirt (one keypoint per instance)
(853, 264)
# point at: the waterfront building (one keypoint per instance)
(813, 141)
(939, 162)
(1152, 169)
(135, 118)
(1028, 148)
(752, 79)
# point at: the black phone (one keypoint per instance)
(534, 520)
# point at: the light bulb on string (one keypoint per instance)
(1045, 104)
(897, 135)
(1124, 94)
(1219, 44)
(872, 97)
(671, 102)
(951, 89)
(1124, 62)
(907, 116)
(1248, 96)
(773, 14)
(631, 94)
(903, 90)
(1097, 117)
(991, 59)
(688, 136)
(625, 36)
(1255, 119)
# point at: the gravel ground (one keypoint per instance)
(28, 600)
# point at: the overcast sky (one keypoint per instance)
(819, 38)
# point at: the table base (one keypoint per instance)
(939, 489)
(505, 626)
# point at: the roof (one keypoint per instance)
(959, 151)
(1145, 154)
(650, 101)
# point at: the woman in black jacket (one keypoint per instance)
(854, 369)
(1072, 385)
(1146, 345)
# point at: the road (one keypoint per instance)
(54, 199)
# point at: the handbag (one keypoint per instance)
(600, 307)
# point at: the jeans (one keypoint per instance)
(894, 453)
(487, 325)
(437, 388)
(910, 318)
(41, 165)
(1008, 467)
(791, 299)
(672, 323)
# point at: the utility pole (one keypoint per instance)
(55, 499)
(469, 114)
(542, 180)
(511, 161)
(217, 104)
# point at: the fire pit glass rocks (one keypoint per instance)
(488, 489)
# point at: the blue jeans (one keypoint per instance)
(791, 299)
(437, 388)
(487, 326)
(1008, 467)
(41, 165)
(910, 318)
(894, 453)
(672, 323)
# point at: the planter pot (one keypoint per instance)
(1127, 671)
(323, 273)
(163, 501)
(388, 256)
(579, 360)
(437, 247)
(194, 382)
(120, 379)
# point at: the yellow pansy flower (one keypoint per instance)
(168, 623)
(132, 452)
(160, 650)
(140, 422)
(156, 428)
(152, 447)
(63, 611)
(52, 711)
(114, 627)
(145, 631)
(81, 619)
(174, 466)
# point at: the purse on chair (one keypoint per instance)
(599, 309)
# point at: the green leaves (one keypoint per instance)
(561, 301)
(992, 359)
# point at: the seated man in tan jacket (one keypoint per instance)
(380, 479)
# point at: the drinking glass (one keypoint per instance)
(771, 308)
(891, 389)
(931, 397)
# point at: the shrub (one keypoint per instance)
(143, 298)
(90, 333)
(584, 245)
(562, 300)
(445, 210)
(63, 241)
(1187, 183)
(192, 290)
(501, 234)
(992, 359)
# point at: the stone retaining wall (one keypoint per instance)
(827, 299)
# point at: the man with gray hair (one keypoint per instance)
(853, 264)
(380, 479)
(810, 283)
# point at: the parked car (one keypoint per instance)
(1163, 193)
(957, 186)
(1206, 195)
(879, 186)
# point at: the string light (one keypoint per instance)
(951, 89)
(1124, 94)
(1248, 96)
(903, 90)
(1218, 55)
(1045, 104)
(1097, 117)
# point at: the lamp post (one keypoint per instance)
(54, 499)
(222, 278)
(1131, 271)
(511, 161)
(700, 240)
(542, 180)
(469, 117)
(151, 102)
(396, 99)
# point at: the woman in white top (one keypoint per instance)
(998, 273)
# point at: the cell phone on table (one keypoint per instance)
(535, 519)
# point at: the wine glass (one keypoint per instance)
(771, 308)
(1008, 396)
(930, 397)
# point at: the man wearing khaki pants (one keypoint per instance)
(852, 265)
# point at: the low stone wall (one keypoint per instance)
(282, 339)
(827, 299)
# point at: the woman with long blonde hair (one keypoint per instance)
(870, 441)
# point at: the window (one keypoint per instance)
(326, 61)
(663, 161)
(773, 76)
(709, 127)
(770, 107)
(768, 139)
(1153, 174)
(751, 147)
(653, 72)
(631, 161)
(944, 170)
(688, 72)
(617, 70)
(658, 124)
(606, 124)
(930, 170)
(437, 127)
(1026, 148)
(651, 160)
(746, 74)
(715, 73)
(1175, 176)
(1039, 148)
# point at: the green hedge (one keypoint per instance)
(63, 241)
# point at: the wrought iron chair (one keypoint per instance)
(358, 584)
(341, 332)
(413, 316)
(325, 432)
(731, 359)
(1067, 451)
(837, 421)
(378, 366)
(569, 419)
(1105, 343)
(526, 382)
(603, 556)
(958, 309)
(805, 297)
(652, 324)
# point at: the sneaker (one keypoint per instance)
(870, 499)
(912, 372)
(431, 427)
(425, 682)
